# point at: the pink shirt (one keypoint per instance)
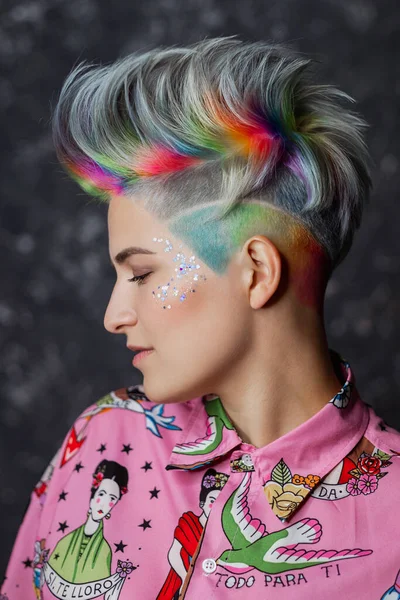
(147, 500)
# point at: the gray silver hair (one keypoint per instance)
(219, 123)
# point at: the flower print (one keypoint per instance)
(124, 568)
(371, 465)
(221, 477)
(312, 480)
(220, 480)
(368, 483)
(241, 466)
(352, 487)
(97, 479)
(284, 499)
(209, 481)
(298, 479)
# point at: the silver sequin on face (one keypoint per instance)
(185, 271)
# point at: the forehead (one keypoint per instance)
(213, 493)
(110, 486)
(128, 218)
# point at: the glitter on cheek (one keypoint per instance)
(187, 270)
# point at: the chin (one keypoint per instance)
(163, 394)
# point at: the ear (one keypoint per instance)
(263, 269)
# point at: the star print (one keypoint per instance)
(120, 547)
(126, 448)
(63, 526)
(154, 493)
(62, 496)
(102, 448)
(27, 563)
(145, 524)
(147, 466)
(78, 467)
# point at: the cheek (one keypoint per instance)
(180, 282)
(111, 504)
(210, 506)
(170, 303)
(98, 500)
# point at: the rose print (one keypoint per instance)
(369, 464)
(284, 499)
(284, 492)
(366, 475)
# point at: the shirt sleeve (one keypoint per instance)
(25, 562)
(24, 573)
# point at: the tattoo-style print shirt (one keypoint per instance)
(166, 502)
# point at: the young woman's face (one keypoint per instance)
(196, 335)
(105, 498)
(209, 501)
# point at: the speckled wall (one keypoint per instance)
(56, 357)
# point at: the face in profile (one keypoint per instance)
(197, 335)
(104, 499)
(209, 501)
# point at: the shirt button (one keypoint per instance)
(247, 460)
(209, 565)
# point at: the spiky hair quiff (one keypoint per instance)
(220, 123)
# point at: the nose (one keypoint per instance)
(118, 314)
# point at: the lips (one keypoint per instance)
(138, 348)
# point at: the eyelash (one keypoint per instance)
(139, 278)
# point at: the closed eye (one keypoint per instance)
(139, 278)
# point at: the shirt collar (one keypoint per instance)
(292, 464)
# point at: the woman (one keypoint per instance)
(235, 182)
(86, 545)
(188, 533)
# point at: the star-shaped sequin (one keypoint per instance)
(62, 496)
(27, 563)
(101, 449)
(120, 547)
(56, 556)
(145, 524)
(62, 526)
(126, 448)
(146, 466)
(154, 493)
(78, 467)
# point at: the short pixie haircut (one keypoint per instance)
(220, 139)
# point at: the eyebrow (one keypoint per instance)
(126, 252)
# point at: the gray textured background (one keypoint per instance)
(56, 358)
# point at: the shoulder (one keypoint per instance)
(130, 404)
(111, 427)
(383, 436)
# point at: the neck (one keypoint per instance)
(203, 519)
(275, 387)
(91, 526)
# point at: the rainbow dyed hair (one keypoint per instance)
(220, 133)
